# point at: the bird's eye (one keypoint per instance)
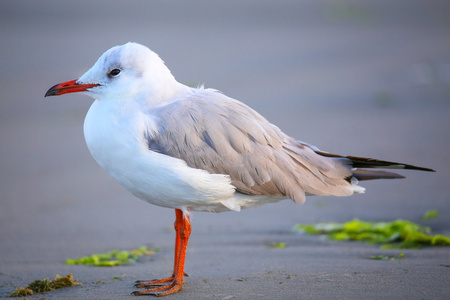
(114, 72)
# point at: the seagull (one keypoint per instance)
(195, 149)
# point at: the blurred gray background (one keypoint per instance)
(364, 78)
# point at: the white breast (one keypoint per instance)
(115, 136)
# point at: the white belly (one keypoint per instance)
(117, 142)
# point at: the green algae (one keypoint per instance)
(399, 234)
(41, 286)
(112, 258)
(430, 214)
(279, 245)
(385, 257)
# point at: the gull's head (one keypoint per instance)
(126, 71)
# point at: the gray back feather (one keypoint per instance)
(213, 132)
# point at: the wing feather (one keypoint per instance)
(211, 131)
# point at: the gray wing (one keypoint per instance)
(223, 136)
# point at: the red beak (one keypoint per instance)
(69, 87)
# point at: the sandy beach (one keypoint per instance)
(351, 77)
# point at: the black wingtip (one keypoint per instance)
(364, 162)
(411, 167)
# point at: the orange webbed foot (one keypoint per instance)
(159, 288)
(153, 283)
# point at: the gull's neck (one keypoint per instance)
(164, 93)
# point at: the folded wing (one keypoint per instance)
(218, 134)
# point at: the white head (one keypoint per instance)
(126, 71)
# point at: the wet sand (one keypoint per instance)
(367, 79)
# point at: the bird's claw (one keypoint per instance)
(153, 283)
(160, 290)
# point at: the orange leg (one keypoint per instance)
(173, 284)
